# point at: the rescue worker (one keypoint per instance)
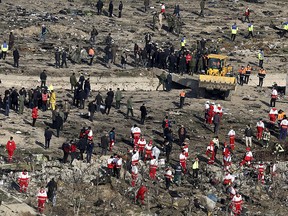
(4, 50)
(163, 10)
(284, 30)
(34, 115)
(43, 78)
(42, 197)
(168, 177)
(153, 168)
(248, 135)
(143, 111)
(166, 124)
(227, 161)
(111, 138)
(134, 175)
(247, 14)
(188, 60)
(247, 158)
(231, 191)
(236, 204)
(141, 146)
(231, 135)
(23, 181)
(211, 113)
(261, 58)
(183, 161)
(135, 158)
(91, 54)
(210, 153)
(274, 96)
(228, 179)
(110, 164)
(219, 110)
(207, 106)
(247, 74)
(117, 167)
(261, 171)
(273, 113)
(250, 30)
(195, 168)
(141, 193)
(260, 127)
(155, 152)
(216, 122)
(136, 133)
(242, 75)
(52, 100)
(148, 150)
(10, 147)
(283, 129)
(234, 30)
(182, 98)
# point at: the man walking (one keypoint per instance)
(182, 98)
(143, 111)
(48, 135)
(43, 78)
(16, 57)
(216, 122)
(129, 107)
(248, 135)
(118, 97)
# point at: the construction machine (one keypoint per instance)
(218, 79)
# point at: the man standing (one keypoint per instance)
(169, 82)
(146, 4)
(231, 135)
(118, 97)
(91, 110)
(11, 40)
(43, 78)
(34, 115)
(153, 168)
(48, 135)
(141, 193)
(16, 57)
(99, 7)
(248, 73)
(168, 178)
(261, 75)
(10, 147)
(261, 58)
(234, 30)
(21, 100)
(182, 98)
(42, 197)
(23, 180)
(183, 161)
(260, 127)
(4, 49)
(120, 9)
(202, 6)
(104, 144)
(57, 58)
(58, 124)
(182, 132)
(112, 138)
(99, 101)
(274, 96)
(110, 9)
(247, 14)
(283, 129)
(73, 81)
(64, 58)
(248, 135)
(143, 111)
(129, 107)
(91, 54)
(52, 189)
(89, 151)
(52, 100)
(94, 33)
(266, 138)
(216, 122)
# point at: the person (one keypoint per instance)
(273, 113)
(261, 58)
(260, 127)
(89, 151)
(120, 9)
(11, 40)
(228, 179)
(118, 97)
(64, 58)
(148, 151)
(10, 148)
(211, 153)
(176, 10)
(66, 109)
(146, 4)
(91, 110)
(283, 129)
(202, 6)
(57, 58)
(261, 76)
(247, 158)
(182, 98)
(234, 30)
(284, 29)
(104, 144)
(124, 60)
(129, 107)
(42, 197)
(44, 97)
(134, 175)
(182, 133)
(52, 100)
(21, 100)
(108, 104)
(66, 150)
(58, 124)
(266, 138)
(91, 54)
(242, 73)
(250, 30)
(99, 7)
(110, 9)
(23, 181)
(162, 80)
(141, 193)
(143, 111)
(195, 167)
(183, 161)
(16, 57)
(169, 82)
(274, 96)
(44, 31)
(168, 177)
(177, 175)
(261, 170)
(231, 135)
(153, 168)
(247, 14)
(93, 34)
(236, 204)
(48, 135)
(4, 49)
(248, 135)
(52, 189)
(168, 149)
(216, 122)
(156, 152)
(73, 81)
(135, 157)
(117, 167)
(112, 138)
(34, 115)
(247, 73)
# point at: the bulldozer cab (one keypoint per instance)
(217, 65)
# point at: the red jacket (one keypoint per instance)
(35, 113)
(142, 190)
(188, 58)
(73, 147)
(10, 146)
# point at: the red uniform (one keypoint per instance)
(260, 128)
(23, 181)
(136, 132)
(210, 153)
(90, 134)
(42, 197)
(148, 151)
(10, 147)
(153, 168)
(210, 114)
(248, 157)
(134, 175)
(261, 170)
(110, 164)
(231, 135)
(141, 193)
(183, 162)
(163, 8)
(228, 179)
(273, 115)
(219, 110)
(185, 148)
(135, 158)
(141, 145)
(35, 113)
(237, 204)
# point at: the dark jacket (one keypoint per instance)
(99, 99)
(143, 110)
(104, 141)
(82, 144)
(90, 147)
(16, 55)
(91, 107)
(120, 7)
(48, 134)
(43, 76)
(216, 119)
(99, 4)
(110, 9)
(58, 121)
(66, 147)
(248, 132)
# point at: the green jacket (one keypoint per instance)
(162, 78)
(73, 80)
(129, 103)
(118, 95)
(21, 99)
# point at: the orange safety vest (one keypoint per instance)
(91, 52)
(182, 94)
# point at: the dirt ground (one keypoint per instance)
(116, 197)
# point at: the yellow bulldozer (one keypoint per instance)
(218, 78)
